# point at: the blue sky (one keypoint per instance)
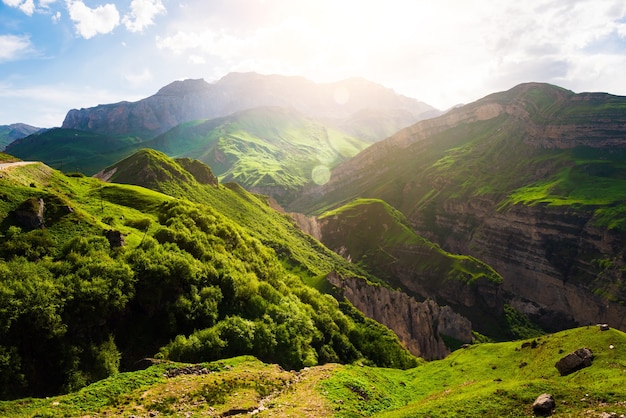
(61, 54)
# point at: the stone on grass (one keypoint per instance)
(575, 361)
(544, 405)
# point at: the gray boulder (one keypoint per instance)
(544, 405)
(575, 361)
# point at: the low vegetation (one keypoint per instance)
(483, 380)
(196, 280)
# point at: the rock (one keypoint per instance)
(544, 405)
(572, 362)
(418, 325)
(29, 214)
(116, 238)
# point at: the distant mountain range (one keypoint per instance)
(266, 132)
(9, 133)
(187, 100)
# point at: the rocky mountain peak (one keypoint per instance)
(184, 87)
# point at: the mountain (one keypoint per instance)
(483, 380)
(96, 276)
(421, 268)
(529, 181)
(270, 150)
(187, 100)
(9, 133)
(74, 150)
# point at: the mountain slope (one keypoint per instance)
(529, 181)
(273, 151)
(417, 266)
(95, 276)
(188, 100)
(501, 379)
(73, 150)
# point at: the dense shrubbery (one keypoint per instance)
(197, 288)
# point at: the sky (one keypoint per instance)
(56, 55)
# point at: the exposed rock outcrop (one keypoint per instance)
(541, 252)
(419, 325)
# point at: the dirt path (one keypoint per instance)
(7, 165)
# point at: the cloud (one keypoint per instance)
(142, 14)
(13, 46)
(27, 6)
(90, 22)
(139, 78)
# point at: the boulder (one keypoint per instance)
(116, 238)
(29, 214)
(544, 405)
(572, 362)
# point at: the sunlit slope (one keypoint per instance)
(487, 380)
(533, 135)
(530, 181)
(205, 272)
(272, 150)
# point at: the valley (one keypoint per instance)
(375, 257)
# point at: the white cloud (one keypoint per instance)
(27, 6)
(90, 22)
(13, 47)
(139, 78)
(56, 18)
(142, 14)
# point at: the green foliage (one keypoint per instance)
(70, 149)
(208, 276)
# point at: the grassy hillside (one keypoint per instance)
(272, 150)
(205, 273)
(356, 225)
(486, 380)
(70, 150)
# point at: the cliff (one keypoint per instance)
(529, 181)
(419, 326)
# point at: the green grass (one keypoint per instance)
(272, 150)
(484, 380)
(491, 380)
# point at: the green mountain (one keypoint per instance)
(95, 276)
(72, 150)
(484, 380)
(273, 151)
(372, 234)
(529, 181)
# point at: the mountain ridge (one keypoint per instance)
(187, 100)
(528, 181)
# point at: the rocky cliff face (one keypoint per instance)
(188, 100)
(558, 264)
(418, 325)
(549, 258)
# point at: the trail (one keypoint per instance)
(18, 163)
